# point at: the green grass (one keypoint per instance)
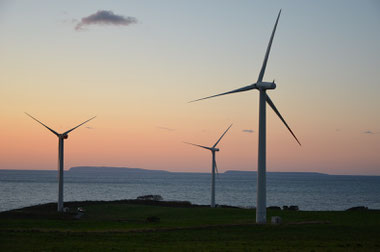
(122, 225)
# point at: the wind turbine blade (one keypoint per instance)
(262, 71)
(269, 101)
(78, 125)
(246, 88)
(54, 132)
(208, 148)
(221, 136)
(216, 168)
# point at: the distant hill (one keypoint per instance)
(102, 169)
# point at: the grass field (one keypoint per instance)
(124, 225)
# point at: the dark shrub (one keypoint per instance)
(293, 208)
(274, 208)
(150, 197)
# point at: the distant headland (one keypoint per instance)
(101, 169)
(112, 169)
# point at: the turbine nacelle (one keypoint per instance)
(214, 149)
(63, 136)
(265, 85)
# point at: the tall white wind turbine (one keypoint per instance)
(61, 138)
(214, 168)
(264, 98)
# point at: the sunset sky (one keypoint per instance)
(137, 70)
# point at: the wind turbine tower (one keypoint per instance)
(262, 87)
(214, 167)
(61, 138)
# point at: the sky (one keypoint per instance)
(136, 64)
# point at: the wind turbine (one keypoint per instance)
(61, 138)
(214, 168)
(261, 86)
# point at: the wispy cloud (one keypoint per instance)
(248, 130)
(369, 132)
(103, 17)
(165, 128)
(88, 127)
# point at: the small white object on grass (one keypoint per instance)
(276, 220)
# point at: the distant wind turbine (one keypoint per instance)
(61, 138)
(264, 98)
(214, 168)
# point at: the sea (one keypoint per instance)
(308, 191)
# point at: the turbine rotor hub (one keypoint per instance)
(64, 136)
